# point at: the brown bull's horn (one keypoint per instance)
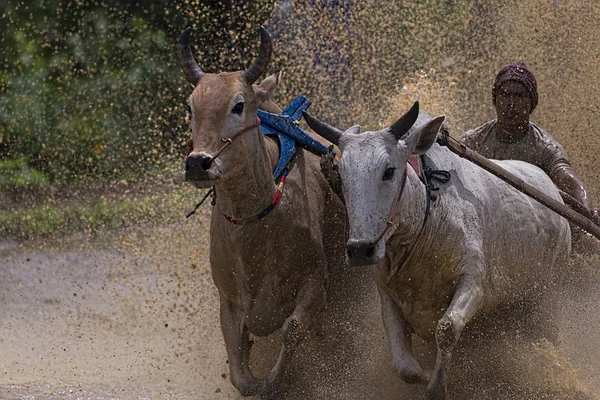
(400, 127)
(188, 65)
(327, 131)
(264, 56)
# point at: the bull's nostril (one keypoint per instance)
(370, 251)
(206, 164)
(187, 166)
(349, 253)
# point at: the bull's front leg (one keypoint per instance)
(309, 303)
(466, 301)
(400, 340)
(237, 344)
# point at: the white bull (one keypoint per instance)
(484, 244)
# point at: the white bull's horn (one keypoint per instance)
(400, 127)
(259, 66)
(192, 71)
(329, 132)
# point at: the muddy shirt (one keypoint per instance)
(537, 147)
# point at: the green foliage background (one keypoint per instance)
(91, 89)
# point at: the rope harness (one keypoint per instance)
(268, 209)
(213, 192)
(227, 142)
(427, 178)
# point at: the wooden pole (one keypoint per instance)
(581, 217)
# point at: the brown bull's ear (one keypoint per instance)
(266, 88)
(400, 127)
(327, 131)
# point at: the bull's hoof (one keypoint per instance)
(249, 385)
(436, 391)
(247, 390)
(273, 394)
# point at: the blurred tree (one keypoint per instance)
(92, 88)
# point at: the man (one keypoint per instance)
(513, 136)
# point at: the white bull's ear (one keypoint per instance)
(421, 140)
(266, 88)
(353, 130)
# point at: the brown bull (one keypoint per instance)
(270, 264)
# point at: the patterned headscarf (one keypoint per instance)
(517, 72)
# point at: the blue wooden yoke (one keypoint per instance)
(285, 126)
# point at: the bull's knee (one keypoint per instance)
(448, 332)
(292, 331)
(246, 387)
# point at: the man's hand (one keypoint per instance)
(595, 216)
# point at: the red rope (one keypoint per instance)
(390, 221)
(270, 207)
(189, 148)
(228, 141)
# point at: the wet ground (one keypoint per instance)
(134, 315)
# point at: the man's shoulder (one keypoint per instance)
(539, 135)
(547, 145)
(479, 132)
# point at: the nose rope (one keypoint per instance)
(227, 142)
(190, 147)
(390, 221)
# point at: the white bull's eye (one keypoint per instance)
(388, 174)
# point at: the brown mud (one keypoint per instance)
(134, 315)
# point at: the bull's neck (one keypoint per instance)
(412, 209)
(249, 187)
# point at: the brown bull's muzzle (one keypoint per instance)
(200, 170)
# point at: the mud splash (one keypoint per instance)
(136, 317)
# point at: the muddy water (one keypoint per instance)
(134, 315)
(125, 317)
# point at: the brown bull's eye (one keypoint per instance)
(389, 173)
(238, 109)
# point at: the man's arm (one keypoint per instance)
(565, 179)
(556, 164)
